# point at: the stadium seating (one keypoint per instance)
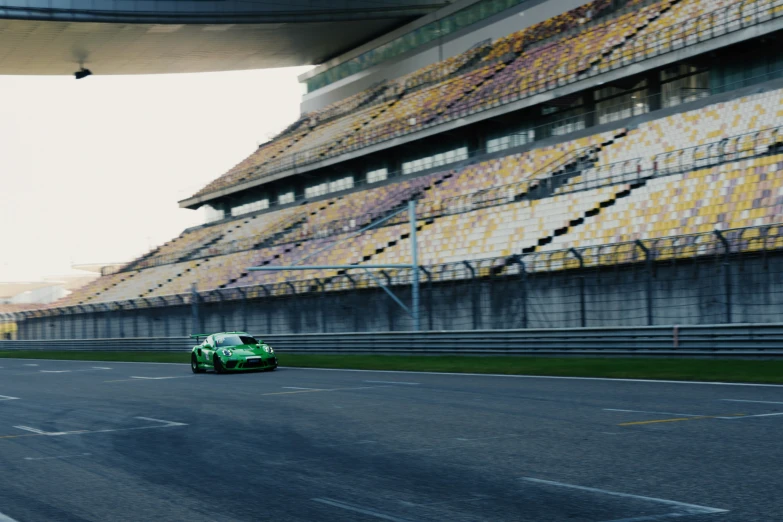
(662, 138)
(735, 185)
(400, 106)
(566, 48)
(732, 195)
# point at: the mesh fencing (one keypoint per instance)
(730, 277)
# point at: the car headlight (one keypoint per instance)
(227, 353)
(268, 349)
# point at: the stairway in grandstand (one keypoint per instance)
(622, 192)
(558, 174)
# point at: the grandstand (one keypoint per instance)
(615, 134)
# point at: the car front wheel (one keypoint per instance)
(218, 364)
(194, 364)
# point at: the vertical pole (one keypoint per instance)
(648, 262)
(582, 303)
(414, 266)
(196, 324)
(726, 273)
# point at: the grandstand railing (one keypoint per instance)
(638, 48)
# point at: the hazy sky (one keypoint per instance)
(91, 170)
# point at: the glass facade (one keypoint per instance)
(287, 197)
(438, 160)
(463, 18)
(374, 176)
(253, 206)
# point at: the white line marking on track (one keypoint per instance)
(474, 498)
(651, 518)
(100, 368)
(758, 402)
(7, 398)
(163, 424)
(655, 412)
(60, 457)
(297, 388)
(348, 444)
(29, 365)
(358, 509)
(751, 416)
(609, 379)
(91, 361)
(6, 518)
(55, 371)
(27, 428)
(396, 382)
(158, 378)
(688, 509)
(170, 423)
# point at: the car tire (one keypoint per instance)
(194, 364)
(218, 364)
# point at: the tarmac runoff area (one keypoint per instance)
(126, 441)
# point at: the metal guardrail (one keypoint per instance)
(702, 340)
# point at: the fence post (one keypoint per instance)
(429, 298)
(582, 305)
(221, 311)
(243, 307)
(94, 317)
(726, 274)
(648, 285)
(523, 286)
(184, 316)
(321, 299)
(473, 303)
(194, 309)
(295, 328)
(150, 325)
(107, 320)
(61, 320)
(135, 318)
(414, 266)
(121, 318)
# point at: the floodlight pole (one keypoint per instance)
(414, 266)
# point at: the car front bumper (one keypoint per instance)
(263, 363)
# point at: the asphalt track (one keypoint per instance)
(113, 441)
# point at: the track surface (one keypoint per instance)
(114, 441)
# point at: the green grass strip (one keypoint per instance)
(753, 371)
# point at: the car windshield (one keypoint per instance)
(235, 340)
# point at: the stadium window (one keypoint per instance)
(614, 103)
(287, 197)
(253, 206)
(437, 160)
(684, 83)
(212, 214)
(316, 190)
(375, 176)
(409, 41)
(341, 184)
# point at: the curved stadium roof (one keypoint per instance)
(164, 36)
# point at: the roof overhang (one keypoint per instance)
(44, 41)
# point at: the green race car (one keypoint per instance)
(231, 352)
